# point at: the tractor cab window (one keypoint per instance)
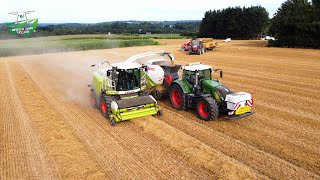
(205, 74)
(128, 79)
(189, 76)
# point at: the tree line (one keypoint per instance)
(297, 24)
(182, 28)
(235, 23)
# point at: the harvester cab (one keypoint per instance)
(118, 91)
(161, 71)
(197, 89)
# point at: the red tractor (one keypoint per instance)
(186, 46)
(196, 47)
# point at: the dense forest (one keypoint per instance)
(235, 23)
(297, 24)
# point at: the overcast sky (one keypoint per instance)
(62, 11)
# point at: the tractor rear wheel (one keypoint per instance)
(93, 99)
(207, 108)
(177, 97)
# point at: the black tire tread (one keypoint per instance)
(183, 95)
(214, 109)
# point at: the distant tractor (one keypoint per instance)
(118, 91)
(186, 46)
(161, 71)
(198, 90)
(196, 47)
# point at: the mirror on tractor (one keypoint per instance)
(108, 73)
(221, 74)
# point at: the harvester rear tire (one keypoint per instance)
(177, 97)
(207, 108)
(93, 99)
(157, 94)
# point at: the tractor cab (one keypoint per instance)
(195, 73)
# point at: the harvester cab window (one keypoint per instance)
(128, 79)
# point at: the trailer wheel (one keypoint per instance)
(177, 97)
(93, 99)
(207, 108)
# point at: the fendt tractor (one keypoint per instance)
(118, 90)
(198, 90)
(161, 71)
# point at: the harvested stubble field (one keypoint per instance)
(49, 131)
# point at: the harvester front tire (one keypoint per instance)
(105, 105)
(207, 109)
(199, 52)
(177, 97)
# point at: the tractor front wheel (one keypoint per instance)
(207, 108)
(177, 97)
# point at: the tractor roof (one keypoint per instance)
(196, 67)
(126, 65)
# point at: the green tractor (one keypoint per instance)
(118, 91)
(198, 90)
